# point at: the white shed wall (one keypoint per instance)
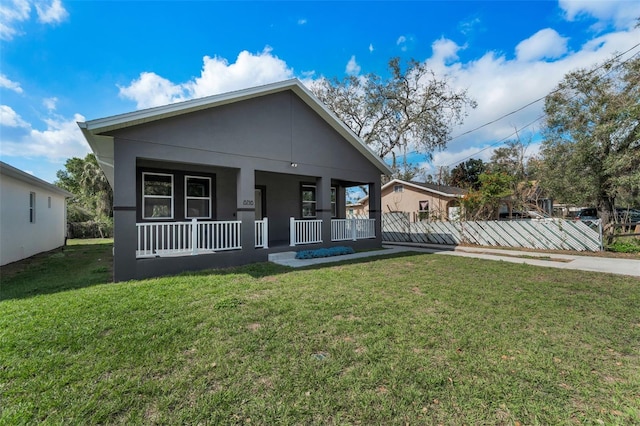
(19, 238)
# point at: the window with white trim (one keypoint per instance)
(157, 196)
(32, 207)
(309, 201)
(197, 197)
(423, 209)
(398, 188)
(334, 197)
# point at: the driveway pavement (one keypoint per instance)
(562, 261)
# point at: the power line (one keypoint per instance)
(543, 97)
(604, 64)
(500, 142)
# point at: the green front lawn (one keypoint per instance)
(413, 339)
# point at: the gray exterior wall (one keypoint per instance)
(245, 144)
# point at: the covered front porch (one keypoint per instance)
(213, 216)
(188, 238)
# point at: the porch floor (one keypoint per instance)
(288, 258)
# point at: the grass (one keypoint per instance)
(411, 339)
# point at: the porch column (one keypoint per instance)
(375, 206)
(124, 215)
(246, 206)
(323, 206)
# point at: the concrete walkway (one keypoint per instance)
(562, 261)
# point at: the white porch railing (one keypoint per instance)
(352, 229)
(262, 233)
(310, 231)
(187, 238)
(306, 231)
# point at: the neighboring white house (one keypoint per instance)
(33, 215)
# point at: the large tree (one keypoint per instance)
(467, 174)
(93, 197)
(412, 109)
(591, 152)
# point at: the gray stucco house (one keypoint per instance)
(227, 179)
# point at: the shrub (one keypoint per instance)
(90, 229)
(625, 245)
(324, 252)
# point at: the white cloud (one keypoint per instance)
(352, 66)
(217, 76)
(444, 51)
(370, 47)
(10, 118)
(61, 139)
(152, 90)
(405, 42)
(501, 86)
(445, 158)
(52, 13)
(621, 13)
(12, 12)
(8, 84)
(469, 25)
(545, 44)
(50, 103)
(402, 43)
(302, 21)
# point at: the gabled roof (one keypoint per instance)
(449, 191)
(10, 171)
(444, 190)
(102, 145)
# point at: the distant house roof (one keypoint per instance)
(10, 171)
(443, 190)
(102, 145)
(450, 191)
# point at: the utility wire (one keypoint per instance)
(536, 101)
(543, 97)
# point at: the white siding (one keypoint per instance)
(19, 238)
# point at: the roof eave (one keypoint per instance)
(9, 170)
(94, 128)
(422, 188)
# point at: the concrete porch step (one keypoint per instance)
(284, 255)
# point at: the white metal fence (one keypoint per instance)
(262, 233)
(185, 238)
(555, 234)
(307, 231)
(352, 229)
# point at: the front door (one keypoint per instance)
(260, 213)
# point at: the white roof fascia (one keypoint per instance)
(93, 128)
(342, 128)
(102, 147)
(10, 171)
(422, 188)
(413, 185)
(102, 125)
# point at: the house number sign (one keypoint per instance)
(247, 202)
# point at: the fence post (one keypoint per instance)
(194, 236)
(407, 216)
(292, 232)
(354, 234)
(265, 233)
(600, 235)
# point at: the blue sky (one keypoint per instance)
(68, 61)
